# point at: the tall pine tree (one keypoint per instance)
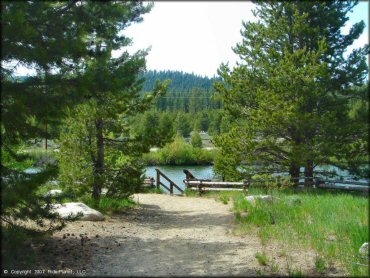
(288, 96)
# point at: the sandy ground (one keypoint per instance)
(167, 236)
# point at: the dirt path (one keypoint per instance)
(167, 236)
(181, 236)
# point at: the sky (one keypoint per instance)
(198, 36)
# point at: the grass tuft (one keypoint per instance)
(320, 265)
(261, 258)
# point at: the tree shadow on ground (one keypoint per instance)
(175, 257)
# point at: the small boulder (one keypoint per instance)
(364, 249)
(263, 198)
(73, 209)
(294, 200)
(53, 192)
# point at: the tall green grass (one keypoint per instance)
(335, 225)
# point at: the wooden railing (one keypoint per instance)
(321, 183)
(207, 185)
(172, 184)
(202, 185)
(149, 182)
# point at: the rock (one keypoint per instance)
(243, 214)
(73, 209)
(364, 249)
(53, 192)
(263, 198)
(331, 238)
(294, 200)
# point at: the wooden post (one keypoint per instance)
(246, 185)
(200, 187)
(171, 188)
(158, 178)
(152, 182)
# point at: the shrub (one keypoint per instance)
(179, 153)
(196, 140)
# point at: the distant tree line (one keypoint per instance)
(164, 125)
(181, 81)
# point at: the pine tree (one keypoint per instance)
(112, 88)
(287, 98)
(49, 37)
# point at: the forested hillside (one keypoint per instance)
(181, 81)
(188, 92)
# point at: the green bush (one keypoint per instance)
(179, 153)
(196, 140)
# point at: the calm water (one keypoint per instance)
(176, 174)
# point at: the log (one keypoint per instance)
(213, 183)
(215, 189)
(346, 182)
(354, 188)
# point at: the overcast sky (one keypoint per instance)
(198, 36)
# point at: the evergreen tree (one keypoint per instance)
(165, 128)
(287, 99)
(113, 89)
(182, 125)
(55, 49)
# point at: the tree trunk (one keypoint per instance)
(46, 137)
(308, 173)
(294, 173)
(99, 163)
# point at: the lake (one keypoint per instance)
(176, 174)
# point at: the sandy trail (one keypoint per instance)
(166, 236)
(179, 236)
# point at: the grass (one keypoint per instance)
(335, 225)
(261, 258)
(224, 199)
(274, 267)
(109, 205)
(320, 264)
(151, 190)
(296, 273)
